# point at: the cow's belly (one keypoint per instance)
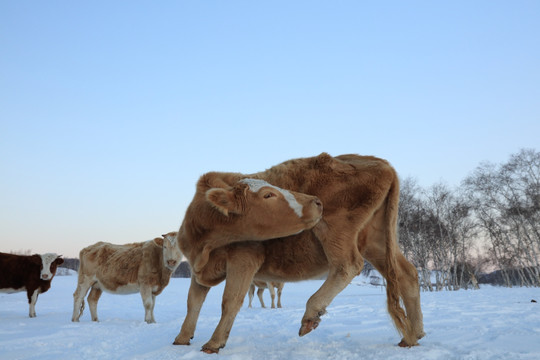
(119, 290)
(12, 290)
(293, 259)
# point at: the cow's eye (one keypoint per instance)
(268, 195)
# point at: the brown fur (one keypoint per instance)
(360, 196)
(270, 285)
(144, 267)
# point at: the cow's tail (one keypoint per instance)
(81, 310)
(393, 293)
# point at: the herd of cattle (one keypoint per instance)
(257, 230)
(144, 267)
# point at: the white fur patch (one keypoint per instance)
(47, 260)
(256, 184)
(122, 290)
(12, 290)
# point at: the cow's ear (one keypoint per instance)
(158, 242)
(59, 260)
(171, 236)
(223, 200)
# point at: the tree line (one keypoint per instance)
(491, 221)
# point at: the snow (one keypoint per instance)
(490, 323)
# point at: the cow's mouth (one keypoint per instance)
(311, 223)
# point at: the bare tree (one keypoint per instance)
(506, 201)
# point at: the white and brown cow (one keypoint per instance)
(271, 286)
(144, 267)
(360, 196)
(32, 273)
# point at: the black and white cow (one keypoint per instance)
(32, 273)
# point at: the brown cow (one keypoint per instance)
(270, 285)
(360, 196)
(32, 273)
(144, 267)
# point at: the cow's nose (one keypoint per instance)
(171, 262)
(44, 276)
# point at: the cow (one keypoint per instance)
(144, 267)
(270, 285)
(32, 273)
(221, 241)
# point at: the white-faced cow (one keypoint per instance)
(360, 196)
(144, 267)
(271, 286)
(32, 273)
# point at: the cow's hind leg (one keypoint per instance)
(280, 289)
(378, 244)
(260, 293)
(251, 293)
(345, 262)
(83, 285)
(405, 282)
(410, 293)
(93, 299)
(338, 278)
(196, 296)
(272, 294)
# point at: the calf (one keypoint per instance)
(270, 285)
(32, 273)
(144, 267)
(236, 234)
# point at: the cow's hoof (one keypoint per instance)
(210, 351)
(307, 326)
(404, 344)
(181, 342)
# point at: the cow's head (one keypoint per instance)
(171, 252)
(228, 208)
(264, 211)
(49, 263)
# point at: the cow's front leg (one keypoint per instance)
(338, 278)
(196, 296)
(32, 299)
(93, 299)
(345, 262)
(148, 302)
(237, 285)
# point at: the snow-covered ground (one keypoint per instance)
(491, 323)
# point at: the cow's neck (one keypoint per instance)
(166, 273)
(197, 247)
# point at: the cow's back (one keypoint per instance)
(341, 182)
(112, 265)
(17, 269)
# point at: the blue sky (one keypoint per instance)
(111, 110)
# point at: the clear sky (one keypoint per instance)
(111, 110)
